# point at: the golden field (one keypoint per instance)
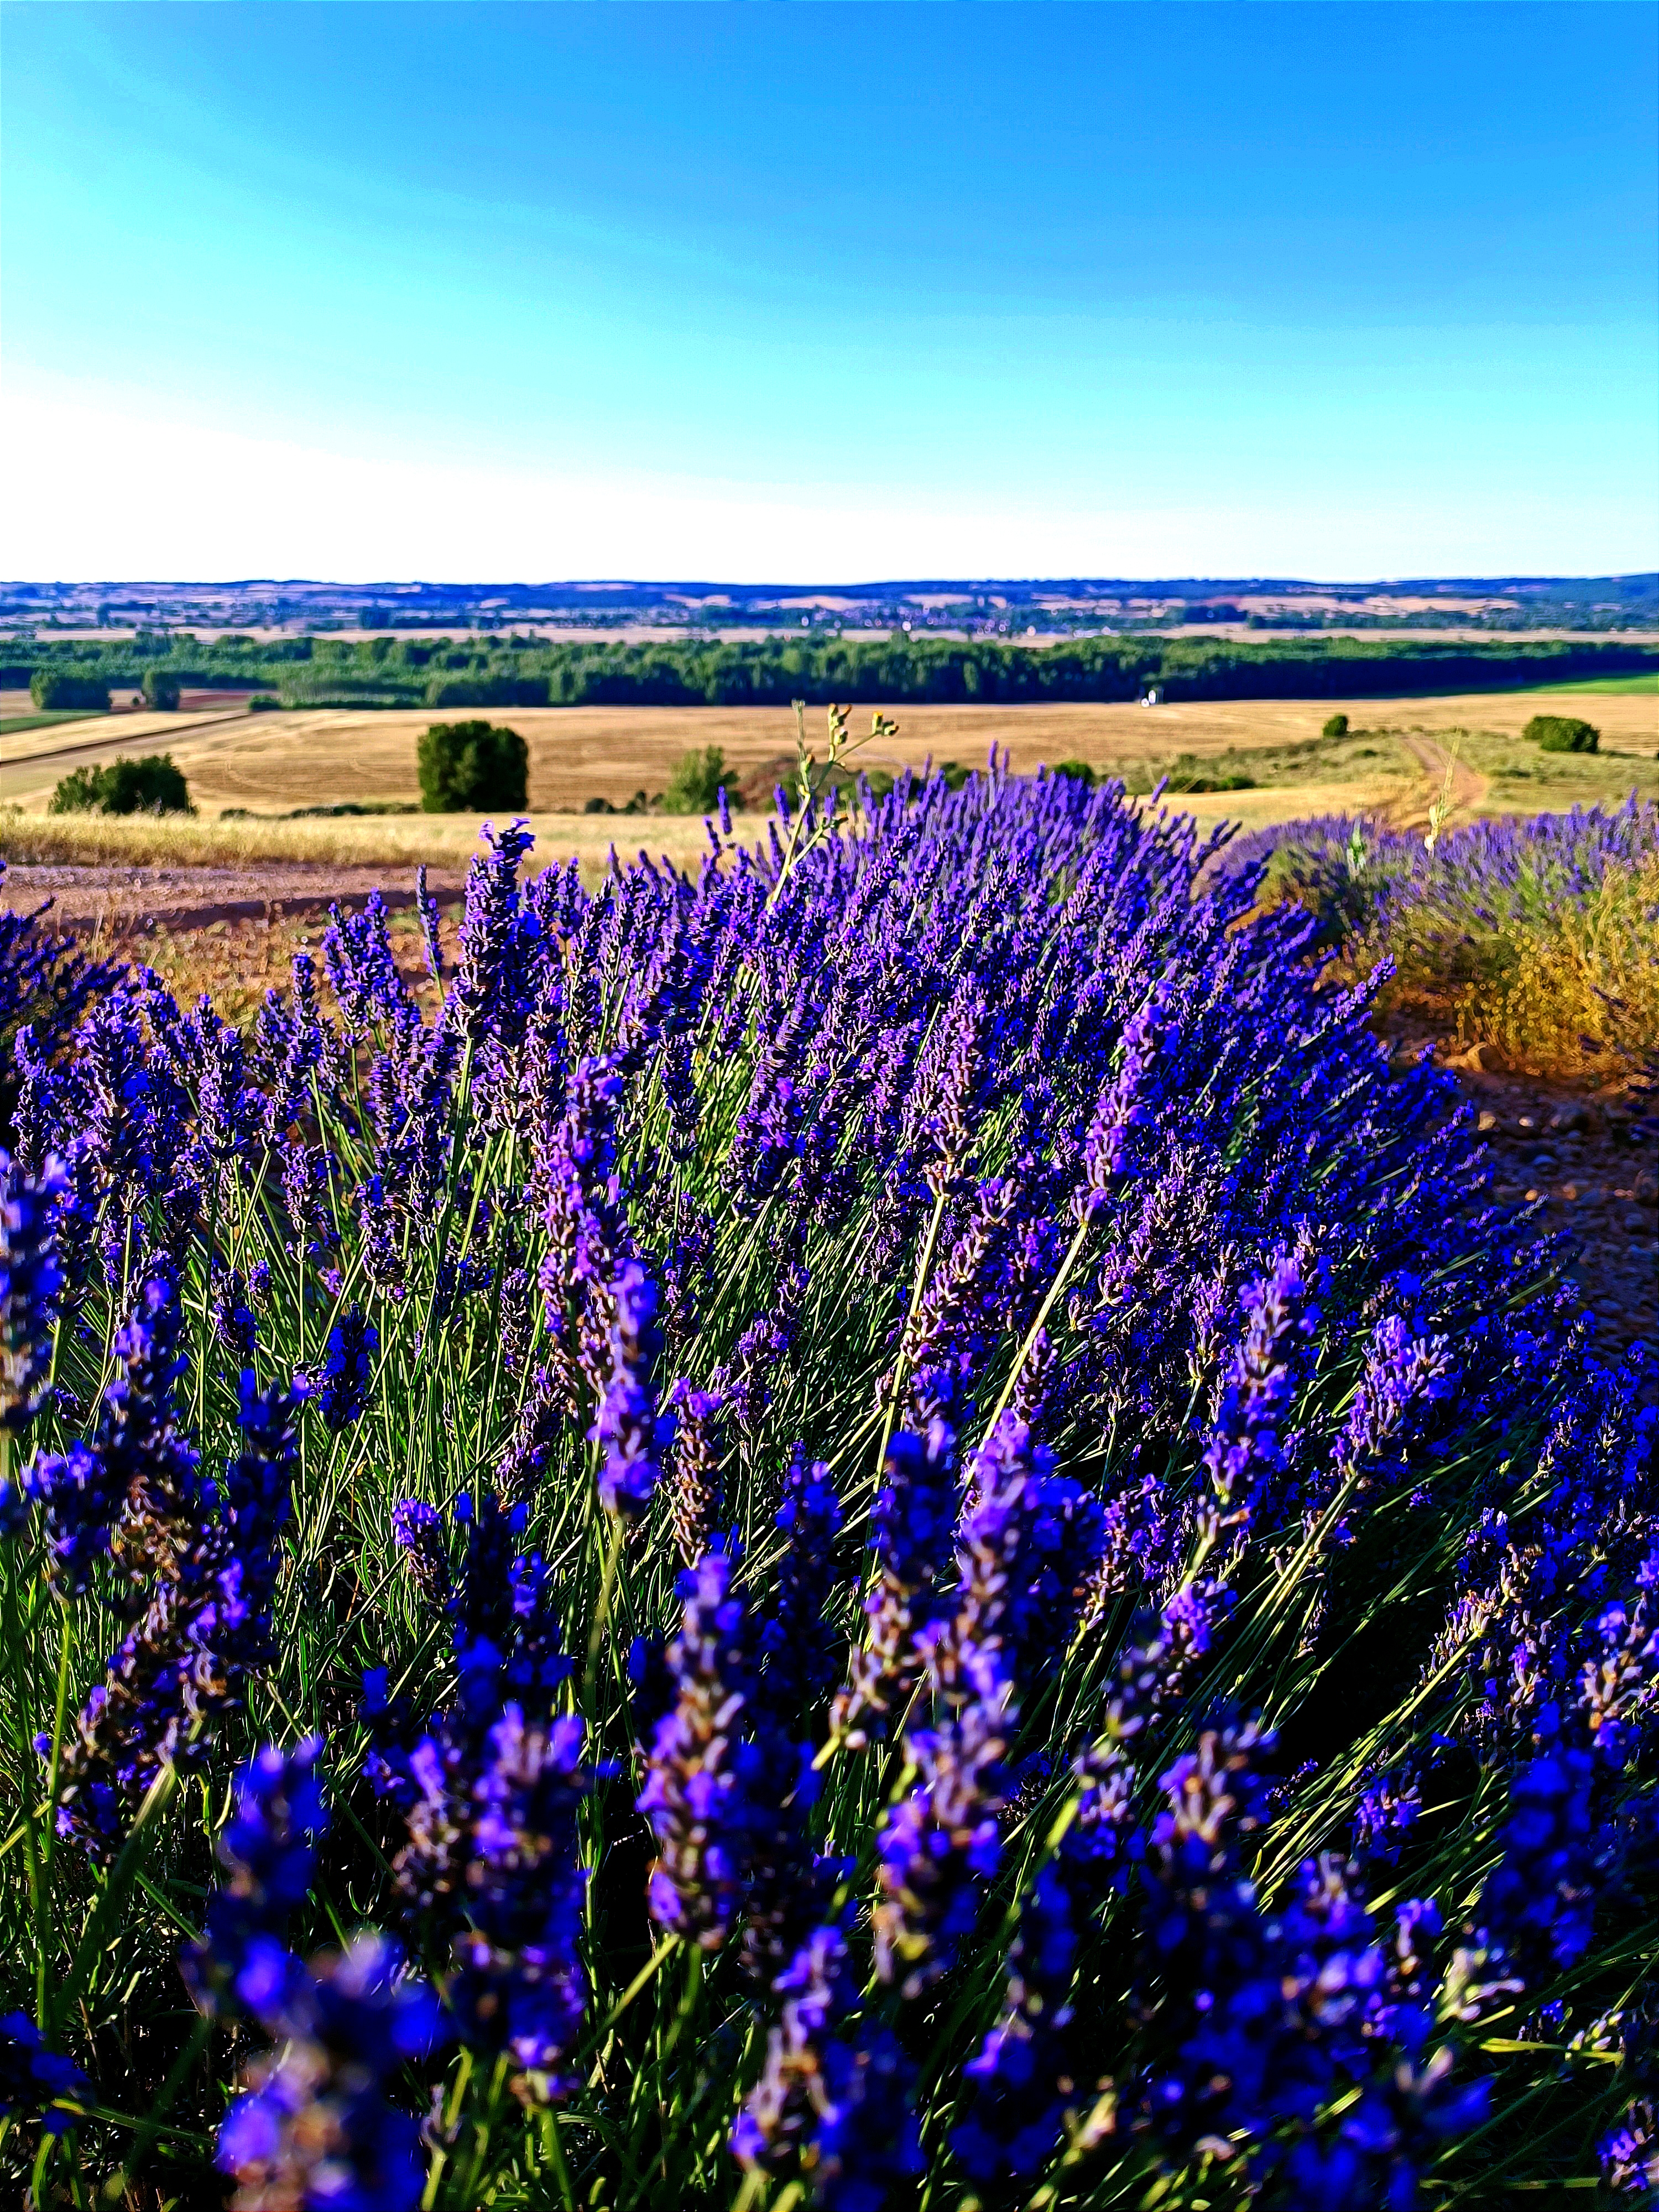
(270, 763)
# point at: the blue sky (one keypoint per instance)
(818, 291)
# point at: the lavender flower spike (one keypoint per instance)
(694, 1796)
(941, 1847)
(837, 2106)
(344, 1387)
(913, 1519)
(30, 1281)
(314, 2126)
(1244, 1453)
(625, 1427)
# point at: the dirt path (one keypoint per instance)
(1437, 761)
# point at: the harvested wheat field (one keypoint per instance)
(316, 755)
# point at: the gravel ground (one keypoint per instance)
(1589, 1163)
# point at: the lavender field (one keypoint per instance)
(892, 1526)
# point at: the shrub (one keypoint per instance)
(934, 1528)
(1562, 733)
(695, 786)
(160, 688)
(1188, 774)
(1336, 726)
(51, 688)
(263, 703)
(1078, 771)
(466, 767)
(148, 784)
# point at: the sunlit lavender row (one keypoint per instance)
(889, 1529)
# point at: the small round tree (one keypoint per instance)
(1336, 726)
(160, 688)
(465, 767)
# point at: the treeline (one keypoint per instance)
(515, 671)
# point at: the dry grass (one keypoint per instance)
(1521, 779)
(1575, 998)
(397, 840)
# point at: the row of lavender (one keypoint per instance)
(890, 1528)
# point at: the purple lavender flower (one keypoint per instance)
(912, 1523)
(698, 1764)
(418, 1529)
(1404, 1376)
(1245, 1454)
(1629, 2152)
(577, 1166)
(1537, 1911)
(498, 936)
(314, 2124)
(939, 1846)
(30, 1281)
(205, 1625)
(490, 1791)
(691, 1478)
(230, 1315)
(1023, 2072)
(347, 1368)
(525, 1460)
(1153, 1678)
(1029, 1550)
(518, 1984)
(308, 1197)
(835, 2104)
(1126, 1103)
(625, 1425)
(268, 1850)
(800, 1649)
(36, 2081)
(427, 907)
(137, 1463)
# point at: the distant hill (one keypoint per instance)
(983, 606)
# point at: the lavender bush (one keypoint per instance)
(888, 1528)
(1539, 935)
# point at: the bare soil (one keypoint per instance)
(1584, 1165)
(121, 902)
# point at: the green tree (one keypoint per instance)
(1562, 733)
(465, 767)
(1077, 771)
(56, 687)
(695, 785)
(160, 688)
(1336, 726)
(149, 785)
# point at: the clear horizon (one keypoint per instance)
(355, 292)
